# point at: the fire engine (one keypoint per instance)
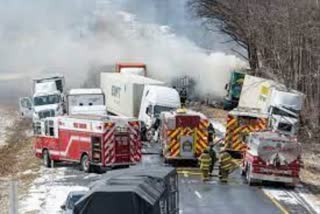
(268, 153)
(183, 134)
(96, 142)
(272, 156)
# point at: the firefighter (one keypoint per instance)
(205, 162)
(226, 165)
(183, 96)
(213, 156)
(211, 133)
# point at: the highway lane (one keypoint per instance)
(195, 196)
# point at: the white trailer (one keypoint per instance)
(269, 97)
(124, 92)
(86, 101)
(140, 97)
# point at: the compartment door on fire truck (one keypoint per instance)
(25, 106)
(187, 139)
(122, 147)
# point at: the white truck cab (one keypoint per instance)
(47, 100)
(86, 101)
(157, 99)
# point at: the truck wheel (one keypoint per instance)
(46, 158)
(85, 163)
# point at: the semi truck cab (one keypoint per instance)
(47, 99)
(157, 99)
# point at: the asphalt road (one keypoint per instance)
(199, 197)
(196, 196)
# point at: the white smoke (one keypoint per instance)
(70, 37)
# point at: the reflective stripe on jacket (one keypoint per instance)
(205, 161)
(226, 161)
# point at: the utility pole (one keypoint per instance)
(13, 197)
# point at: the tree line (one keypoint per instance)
(282, 40)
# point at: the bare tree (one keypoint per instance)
(282, 41)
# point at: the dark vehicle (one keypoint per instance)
(72, 199)
(134, 191)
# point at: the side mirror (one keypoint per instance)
(63, 207)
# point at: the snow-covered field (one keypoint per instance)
(49, 191)
(7, 117)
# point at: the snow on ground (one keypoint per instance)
(6, 119)
(48, 192)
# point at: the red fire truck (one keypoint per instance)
(272, 156)
(96, 142)
(183, 134)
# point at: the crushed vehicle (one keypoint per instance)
(233, 89)
(269, 107)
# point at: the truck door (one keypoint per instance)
(122, 147)
(187, 139)
(25, 106)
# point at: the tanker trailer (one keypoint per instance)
(272, 156)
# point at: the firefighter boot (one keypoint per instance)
(205, 175)
(223, 176)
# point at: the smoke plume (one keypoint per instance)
(71, 37)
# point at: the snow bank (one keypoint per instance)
(48, 192)
(6, 119)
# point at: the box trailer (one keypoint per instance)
(124, 92)
(259, 93)
(282, 105)
(132, 68)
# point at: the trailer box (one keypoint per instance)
(124, 92)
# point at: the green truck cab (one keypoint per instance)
(233, 90)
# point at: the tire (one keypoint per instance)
(85, 163)
(46, 158)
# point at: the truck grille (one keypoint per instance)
(46, 113)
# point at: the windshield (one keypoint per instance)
(73, 200)
(278, 111)
(46, 100)
(159, 109)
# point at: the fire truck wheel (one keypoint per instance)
(85, 163)
(46, 158)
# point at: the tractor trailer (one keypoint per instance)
(137, 96)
